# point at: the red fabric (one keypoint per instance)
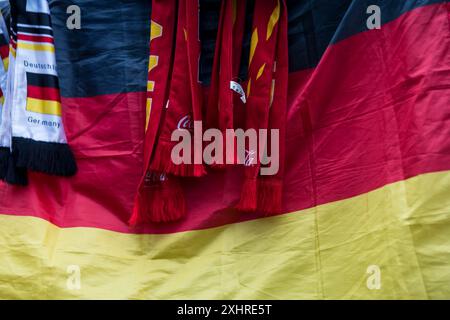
(270, 188)
(348, 132)
(160, 197)
(183, 106)
(43, 93)
(164, 14)
(156, 188)
(227, 57)
(4, 51)
(192, 41)
(269, 38)
(212, 115)
(34, 38)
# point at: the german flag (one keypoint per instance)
(367, 179)
(43, 94)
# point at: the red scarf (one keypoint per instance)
(173, 103)
(222, 100)
(174, 100)
(184, 104)
(266, 104)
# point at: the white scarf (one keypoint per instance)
(32, 127)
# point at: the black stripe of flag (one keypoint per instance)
(35, 31)
(42, 80)
(34, 18)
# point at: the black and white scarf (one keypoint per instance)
(31, 131)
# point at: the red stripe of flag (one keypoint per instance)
(41, 38)
(43, 93)
(4, 51)
(348, 142)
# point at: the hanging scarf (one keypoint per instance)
(35, 128)
(4, 53)
(8, 169)
(183, 106)
(173, 103)
(266, 104)
(153, 196)
(226, 93)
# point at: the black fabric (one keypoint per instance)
(109, 55)
(47, 157)
(16, 175)
(35, 19)
(4, 155)
(42, 80)
(8, 170)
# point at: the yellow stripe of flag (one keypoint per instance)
(36, 46)
(6, 63)
(44, 106)
(326, 252)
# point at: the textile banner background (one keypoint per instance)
(367, 182)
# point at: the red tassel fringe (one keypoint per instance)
(162, 162)
(270, 195)
(248, 201)
(262, 194)
(162, 202)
